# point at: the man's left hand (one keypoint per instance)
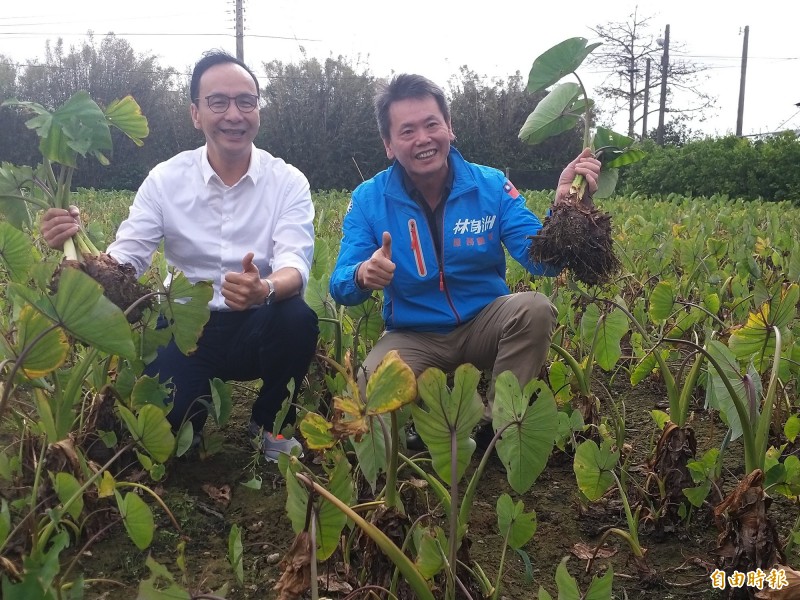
(585, 164)
(243, 290)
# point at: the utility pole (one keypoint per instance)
(646, 98)
(664, 75)
(740, 112)
(240, 30)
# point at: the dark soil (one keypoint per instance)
(679, 556)
(577, 238)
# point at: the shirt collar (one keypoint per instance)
(208, 171)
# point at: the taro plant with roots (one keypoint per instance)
(85, 425)
(77, 128)
(575, 236)
(391, 544)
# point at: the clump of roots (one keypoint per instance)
(577, 237)
(119, 282)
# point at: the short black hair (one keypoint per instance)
(403, 87)
(210, 59)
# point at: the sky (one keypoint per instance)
(494, 39)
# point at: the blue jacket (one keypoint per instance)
(426, 293)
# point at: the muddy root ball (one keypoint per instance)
(578, 239)
(119, 282)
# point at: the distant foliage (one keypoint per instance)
(736, 167)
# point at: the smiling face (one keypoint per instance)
(229, 135)
(419, 139)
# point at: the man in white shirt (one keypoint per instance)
(233, 214)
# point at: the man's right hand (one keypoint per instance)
(58, 225)
(377, 272)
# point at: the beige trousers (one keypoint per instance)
(512, 333)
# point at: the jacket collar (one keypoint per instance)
(462, 179)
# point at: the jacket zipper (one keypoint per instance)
(440, 261)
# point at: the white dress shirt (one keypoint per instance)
(207, 227)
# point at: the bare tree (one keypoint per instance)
(627, 49)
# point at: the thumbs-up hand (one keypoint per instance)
(377, 272)
(243, 290)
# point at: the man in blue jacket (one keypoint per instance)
(429, 231)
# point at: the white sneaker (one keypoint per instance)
(272, 446)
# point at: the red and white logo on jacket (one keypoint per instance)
(416, 248)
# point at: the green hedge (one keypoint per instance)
(738, 167)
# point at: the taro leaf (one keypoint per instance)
(321, 264)
(643, 369)
(80, 307)
(221, 405)
(14, 206)
(149, 390)
(594, 467)
(697, 495)
(106, 486)
(604, 332)
(77, 127)
(662, 301)
(567, 586)
(160, 585)
(151, 429)
(126, 115)
(43, 346)
(527, 443)
(371, 450)
(607, 183)
(627, 157)
(56, 414)
(235, 550)
(791, 428)
(186, 310)
(560, 60)
(717, 395)
(429, 543)
(316, 432)
(514, 522)
(183, 442)
(17, 254)
(615, 142)
(66, 488)
(367, 317)
(757, 336)
(41, 569)
(137, 517)
(555, 114)
(448, 414)
(600, 588)
(543, 594)
(391, 386)
(331, 520)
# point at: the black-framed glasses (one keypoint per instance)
(219, 103)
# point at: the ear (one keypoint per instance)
(388, 146)
(194, 111)
(452, 133)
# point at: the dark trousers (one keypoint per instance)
(274, 343)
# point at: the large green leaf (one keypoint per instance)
(757, 336)
(447, 415)
(429, 543)
(77, 127)
(604, 332)
(137, 517)
(527, 443)
(66, 487)
(17, 193)
(186, 309)
(371, 450)
(594, 467)
(612, 143)
(43, 345)
(661, 301)
(560, 60)
(151, 429)
(514, 522)
(17, 254)
(607, 183)
(717, 394)
(126, 115)
(555, 114)
(567, 586)
(331, 520)
(80, 307)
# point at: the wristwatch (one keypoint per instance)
(271, 293)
